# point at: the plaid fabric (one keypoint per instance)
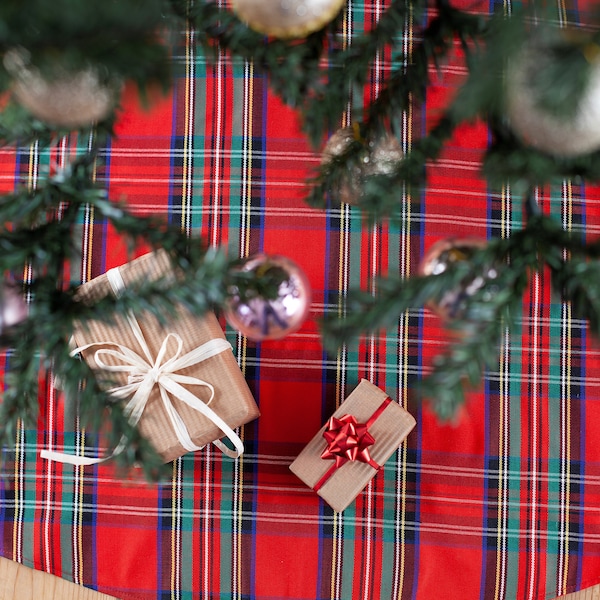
(503, 504)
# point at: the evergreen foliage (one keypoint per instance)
(320, 77)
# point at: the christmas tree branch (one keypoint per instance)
(462, 367)
(350, 67)
(502, 271)
(79, 34)
(18, 127)
(43, 344)
(508, 160)
(291, 66)
(406, 85)
(321, 76)
(41, 239)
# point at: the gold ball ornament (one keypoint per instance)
(560, 135)
(287, 19)
(439, 258)
(66, 98)
(379, 157)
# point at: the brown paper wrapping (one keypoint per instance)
(389, 431)
(233, 401)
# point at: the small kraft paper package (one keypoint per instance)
(353, 445)
(190, 390)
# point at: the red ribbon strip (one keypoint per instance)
(348, 441)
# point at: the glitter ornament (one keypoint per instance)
(68, 98)
(379, 157)
(287, 18)
(440, 257)
(261, 318)
(13, 308)
(565, 135)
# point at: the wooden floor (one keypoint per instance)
(18, 582)
(592, 593)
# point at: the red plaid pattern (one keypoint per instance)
(500, 505)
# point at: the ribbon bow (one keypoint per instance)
(347, 440)
(144, 372)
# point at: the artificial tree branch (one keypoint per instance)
(503, 268)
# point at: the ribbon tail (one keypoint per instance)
(178, 424)
(71, 459)
(185, 396)
(227, 451)
(80, 461)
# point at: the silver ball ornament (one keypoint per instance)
(568, 135)
(439, 258)
(379, 157)
(66, 98)
(13, 308)
(260, 318)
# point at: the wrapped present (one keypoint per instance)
(353, 445)
(179, 378)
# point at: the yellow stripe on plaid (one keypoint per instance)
(242, 345)
(565, 488)
(562, 575)
(503, 433)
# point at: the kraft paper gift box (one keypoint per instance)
(232, 401)
(353, 445)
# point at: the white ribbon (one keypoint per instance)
(144, 372)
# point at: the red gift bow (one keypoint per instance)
(348, 441)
